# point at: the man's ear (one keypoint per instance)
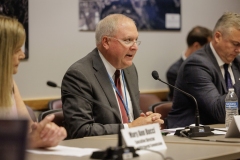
(105, 42)
(217, 36)
(196, 45)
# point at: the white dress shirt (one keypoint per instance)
(111, 71)
(221, 63)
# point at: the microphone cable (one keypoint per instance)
(163, 157)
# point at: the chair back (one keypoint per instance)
(147, 100)
(31, 113)
(13, 139)
(55, 104)
(163, 108)
(58, 120)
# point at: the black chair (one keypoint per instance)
(163, 108)
(58, 116)
(32, 114)
(13, 139)
(55, 104)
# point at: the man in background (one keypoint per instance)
(196, 38)
(207, 75)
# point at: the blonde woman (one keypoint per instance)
(12, 38)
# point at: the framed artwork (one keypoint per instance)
(147, 14)
(17, 9)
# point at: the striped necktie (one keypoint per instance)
(118, 85)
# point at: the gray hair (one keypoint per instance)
(227, 21)
(109, 25)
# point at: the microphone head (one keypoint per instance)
(155, 75)
(51, 84)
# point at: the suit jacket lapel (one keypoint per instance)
(102, 77)
(129, 82)
(213, 59)
(235, 69)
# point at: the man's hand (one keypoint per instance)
(146, 114)
(147, 118)
(46, 133)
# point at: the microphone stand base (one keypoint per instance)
(115, 153)
(195, 131)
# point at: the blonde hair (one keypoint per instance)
(12, 37)
(227, 21)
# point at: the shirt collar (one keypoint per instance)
(110, 69)
(183, 55)
(219, 60)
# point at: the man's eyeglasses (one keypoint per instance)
(127, 42)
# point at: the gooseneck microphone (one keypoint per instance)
(195, 131)
(120, 152)
(197, 118)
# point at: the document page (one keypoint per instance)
(64, 151)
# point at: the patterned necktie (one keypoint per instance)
(227, 76)
(118, 85)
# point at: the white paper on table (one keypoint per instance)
(64, 151)
(171, 131)
(220, 131)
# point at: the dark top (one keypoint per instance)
(172, 76)
(200, 76)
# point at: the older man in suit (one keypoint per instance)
(100, 91)
(203, 75)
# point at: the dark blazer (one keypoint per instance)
(200, 75)
(172, 76)
(88, 79)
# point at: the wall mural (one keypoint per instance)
(148, 14)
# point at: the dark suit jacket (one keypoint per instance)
(200, 75)
(88, 79)
(172, 76)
